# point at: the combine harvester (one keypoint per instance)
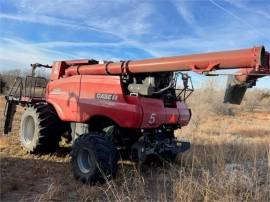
(130, 108)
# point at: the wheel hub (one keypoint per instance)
(29, 129)
(84, 161)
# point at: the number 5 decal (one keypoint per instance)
(152, 118)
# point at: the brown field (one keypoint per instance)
(228, 161)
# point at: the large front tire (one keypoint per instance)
(41, 129)
(94, 158)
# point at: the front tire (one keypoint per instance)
(94, 158)
(41, 129)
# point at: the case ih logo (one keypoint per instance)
(106, 96)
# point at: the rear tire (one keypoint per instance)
(41, 129)
(94, 158)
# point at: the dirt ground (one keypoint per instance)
(228, 161)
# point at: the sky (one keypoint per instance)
(47, 30)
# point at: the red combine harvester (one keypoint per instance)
(130, 108)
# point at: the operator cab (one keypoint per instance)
(161, 85)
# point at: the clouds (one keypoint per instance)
(48, 30)
(185, 11)
(262, 11)
(118, 18)
(15, 53)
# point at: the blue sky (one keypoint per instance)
(47, 30)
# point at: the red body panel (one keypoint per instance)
(155, 114)
(75, 99)
(121, 112)
(64, 94)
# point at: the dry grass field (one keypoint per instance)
(228, 161)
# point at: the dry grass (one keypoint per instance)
(228, 161)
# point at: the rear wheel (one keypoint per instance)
(94, 158)
(41, 129)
